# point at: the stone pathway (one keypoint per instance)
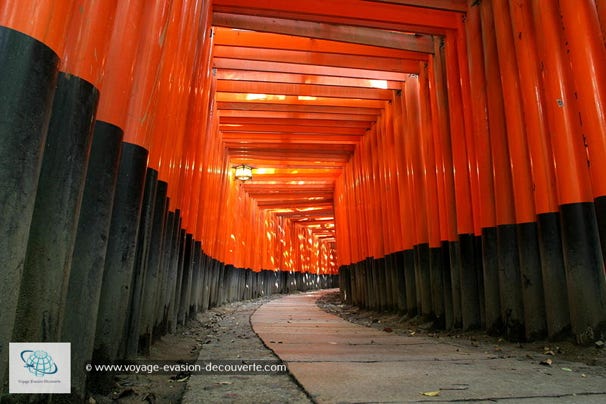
(339, 362)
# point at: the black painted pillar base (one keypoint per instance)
(437, 286)
(88, 262)
(135, 306)
(532, 282)
(422, 270)
(447, 285)
(27, 86)
(206, 282)
(172, 270)
(454, 250)
(494, 324)
(379, 267)
(120, 258)
(470, 298)
(345, 283)
(53, 228)
(600, 212)
(554, 275)
(392, 265)
(584, 271)
(162, 304)
(510, 283)
(153, 281)
(176, 278)
(401, 281)
(186, 279)
(412, 309)
(194, 303)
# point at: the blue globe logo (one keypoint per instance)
(39, 363)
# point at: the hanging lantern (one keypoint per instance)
(243, 172)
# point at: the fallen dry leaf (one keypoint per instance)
(549, 352)
(546, 362)
(431, 393)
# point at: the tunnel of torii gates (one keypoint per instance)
(443, 158)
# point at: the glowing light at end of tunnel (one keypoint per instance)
(265, 171)
(378, 84)
(260, 97)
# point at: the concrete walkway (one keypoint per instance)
(339, 362)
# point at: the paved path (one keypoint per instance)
(339, 362)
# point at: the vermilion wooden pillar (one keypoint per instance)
(463, 254)
(540, 153)
(524, 231)
(582, 256)
(437, 264)
(487, 216)
(446, 185)
(124, 208)
(518, 131)
(506, 248)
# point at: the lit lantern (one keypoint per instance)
(243, 172)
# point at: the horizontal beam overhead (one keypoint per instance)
(296, 100)
(252, 39)
(318, 59)
(290, 129)
(245, 138)
(348, 12)
(292, 162)
(288, 67)
(304, 90)
(332, 148)
(451, 5)
(334, 32)
(293, 213)
(281, 121)
(307, 116)
(301, 206)
(320, 110)
(295, 78)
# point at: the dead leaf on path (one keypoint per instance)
(387, 329)
(546, 362)
(431, 393)
(567, 369)
(224, 383)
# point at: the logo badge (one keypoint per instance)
(39, 367)
(39, 363)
